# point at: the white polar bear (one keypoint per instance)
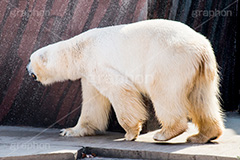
(165, 60)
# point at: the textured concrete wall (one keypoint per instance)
(26, 26)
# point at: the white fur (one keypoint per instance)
(165, 60)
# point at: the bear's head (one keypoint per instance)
(48, 65)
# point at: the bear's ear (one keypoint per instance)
(43, 58)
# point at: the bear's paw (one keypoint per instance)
(69, 132)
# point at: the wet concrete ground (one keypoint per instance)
(42, 143)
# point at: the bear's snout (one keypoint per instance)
(31, 73)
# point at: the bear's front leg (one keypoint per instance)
(94, 114)
(125, 99)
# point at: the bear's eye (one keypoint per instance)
(33, 76)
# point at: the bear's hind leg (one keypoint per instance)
(170, 112)
(169, 131)
(173, 123)
(94, 114)
(210, 126)
(205, 112)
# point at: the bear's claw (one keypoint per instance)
(67, 132)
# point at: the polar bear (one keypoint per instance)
(165, 60)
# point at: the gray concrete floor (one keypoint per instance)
(37, 143)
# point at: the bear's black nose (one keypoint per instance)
(33, 76)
